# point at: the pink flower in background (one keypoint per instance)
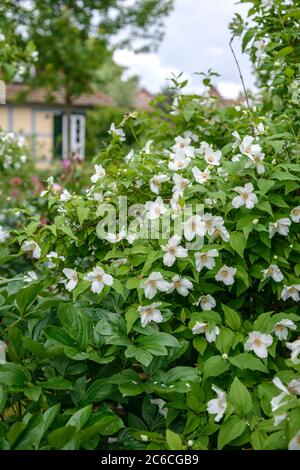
(16, 181)
(36, 182)
(67, 165)
(44, 221)
(15, 193)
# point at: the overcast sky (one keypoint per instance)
(196, 39)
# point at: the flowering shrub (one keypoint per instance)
(161, 307)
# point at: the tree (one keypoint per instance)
(73, 38)
(112, 82)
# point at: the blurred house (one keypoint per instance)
(43, 120)
(142, 100)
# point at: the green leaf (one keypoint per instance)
(118, 287)
(3, 398)
(56, 383)
(65, 438)
(238, 242)
(133, 283)
(225, 340)
(82, 213)
(285, 51)
(14, 375)
(277, 200)
(98, 391)
(79, 418)
(214, 366)
(131, 316)
(247, 361)
(232, 428)
(58, 336)
(25, 297)
(174, 441)
(232, 318)
(265, 206)
(240, 397)
(265, 185)
(131, 389)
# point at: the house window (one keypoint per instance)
(77, 136)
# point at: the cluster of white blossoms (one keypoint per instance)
(12, 150)
(179, 172)
(97, 277)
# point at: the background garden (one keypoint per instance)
(128, 342)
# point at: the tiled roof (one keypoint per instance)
(19, 93)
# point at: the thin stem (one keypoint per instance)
(241, 75)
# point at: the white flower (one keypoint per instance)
(53, 255)
(293, 388)
(161, 405)
(116, 237)
(258, 342)
(260, 128)
(155, 282)
(248, 148)
(117, 131)
(4, 234)
(155, 209)
(260, 47)
(181, 285)
(194, 226)
(179, 163)
(65, 196)
(144, 438)
(291, 292)
(211, 157)
(173, 250)
(147, 147)
(279, 418)
(246, 196)
(210, 334)
(281, 226)
(215, 227)
(156, 181)
(31, 276)
(131, 238)
(206, 259)
(295, 214)
(256, 160)
(119, 262)
(274, 272)
(99, 173)
(71, 274)
(2, 352)
(179, 185)
(150, 313)
(223, 173)
(281, 328)
(99, 279)
(295, 348)
(201, 176)
(129, 156)
(32, 246)
(183, 147)
(294, 444)
(226, 275)
(207, 302)
(217, 406)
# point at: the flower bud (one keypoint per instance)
(225, 356)
(255, 221)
